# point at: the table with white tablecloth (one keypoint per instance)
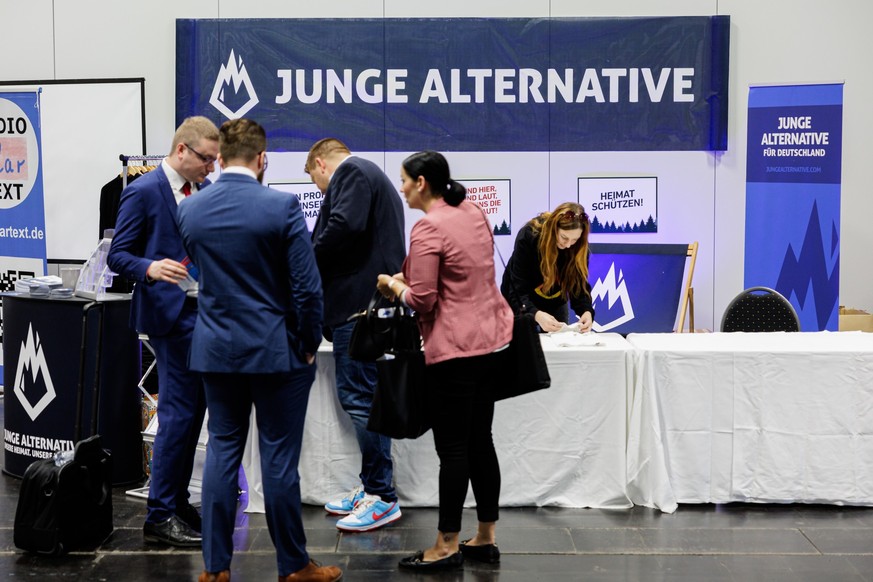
(563, 446)
(760, 417)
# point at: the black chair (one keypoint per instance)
(760, 309)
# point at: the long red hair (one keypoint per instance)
(574, 277)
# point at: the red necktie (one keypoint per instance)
(186, 189)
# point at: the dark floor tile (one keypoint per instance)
(152, 566)
(127, 512)
(126, 539)
(541, 540)
(322, 540)
(690, 568)
(251, 539)
(863, 564)
(625, 540)
(832, 515)
(790, 568)
(590, 568)
(726, 541)
(20, 565)
(390, 539)
(560, 517)
(840, 541)
(6, 540)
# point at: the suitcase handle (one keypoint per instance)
(80, 392)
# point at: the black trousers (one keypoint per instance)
(461, 401)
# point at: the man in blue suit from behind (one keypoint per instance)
(148, 249)
(255, 340)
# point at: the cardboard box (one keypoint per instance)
(855, 320)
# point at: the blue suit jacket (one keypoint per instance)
(359, 234)
(146, 231)
(260, 294)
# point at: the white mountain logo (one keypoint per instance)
(233, 75)
(613, 290)
(31, 358)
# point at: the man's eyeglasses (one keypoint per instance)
(205, 159)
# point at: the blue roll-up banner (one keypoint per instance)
(636, 288)
(793, 176)
(22, 208)
(463, 84)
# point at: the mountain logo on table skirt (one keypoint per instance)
(233, 93)
(31, 368)
(613, 291)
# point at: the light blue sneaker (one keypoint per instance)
(345, 505)
(370, 513)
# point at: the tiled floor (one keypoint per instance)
(736, 542)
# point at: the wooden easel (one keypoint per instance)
(687, 301)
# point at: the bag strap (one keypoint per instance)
(499, 254)
(371, 306)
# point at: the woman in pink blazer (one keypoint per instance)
(448, 279)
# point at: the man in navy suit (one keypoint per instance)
(257, 333)
(358, 235)
(147, 248)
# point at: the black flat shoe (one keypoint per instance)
(489, 553)
(416, 562)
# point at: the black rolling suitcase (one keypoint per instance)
(67, 505)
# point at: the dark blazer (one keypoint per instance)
(260, 296)
(146, 231)
(358, 235)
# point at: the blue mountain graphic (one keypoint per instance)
(605, 315)
(810, 266)
(234, 99)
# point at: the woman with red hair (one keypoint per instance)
(549, 267)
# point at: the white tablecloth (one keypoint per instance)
(564, 446)
(764, 417)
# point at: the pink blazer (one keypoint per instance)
(452, 287)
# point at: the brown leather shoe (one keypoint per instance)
(314, 572)
(223, 576)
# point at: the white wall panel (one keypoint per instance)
(466, 9)
(565, 8)
(105, 38)
(28, 46)
(286, 9)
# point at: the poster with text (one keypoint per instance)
(620, 205)
(308, 195)
(494, 197)
(793, 178)
(22, 208)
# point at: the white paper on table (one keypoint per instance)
(569, 337)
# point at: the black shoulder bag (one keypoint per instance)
(526, 369)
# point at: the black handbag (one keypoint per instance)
(383, 329)
(399, 407)
(526, 370)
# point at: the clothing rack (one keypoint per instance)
(125, 163)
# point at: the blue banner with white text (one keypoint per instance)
(793, 179)
(22, 208)
(463, 84)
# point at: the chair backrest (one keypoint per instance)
(760, 309)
